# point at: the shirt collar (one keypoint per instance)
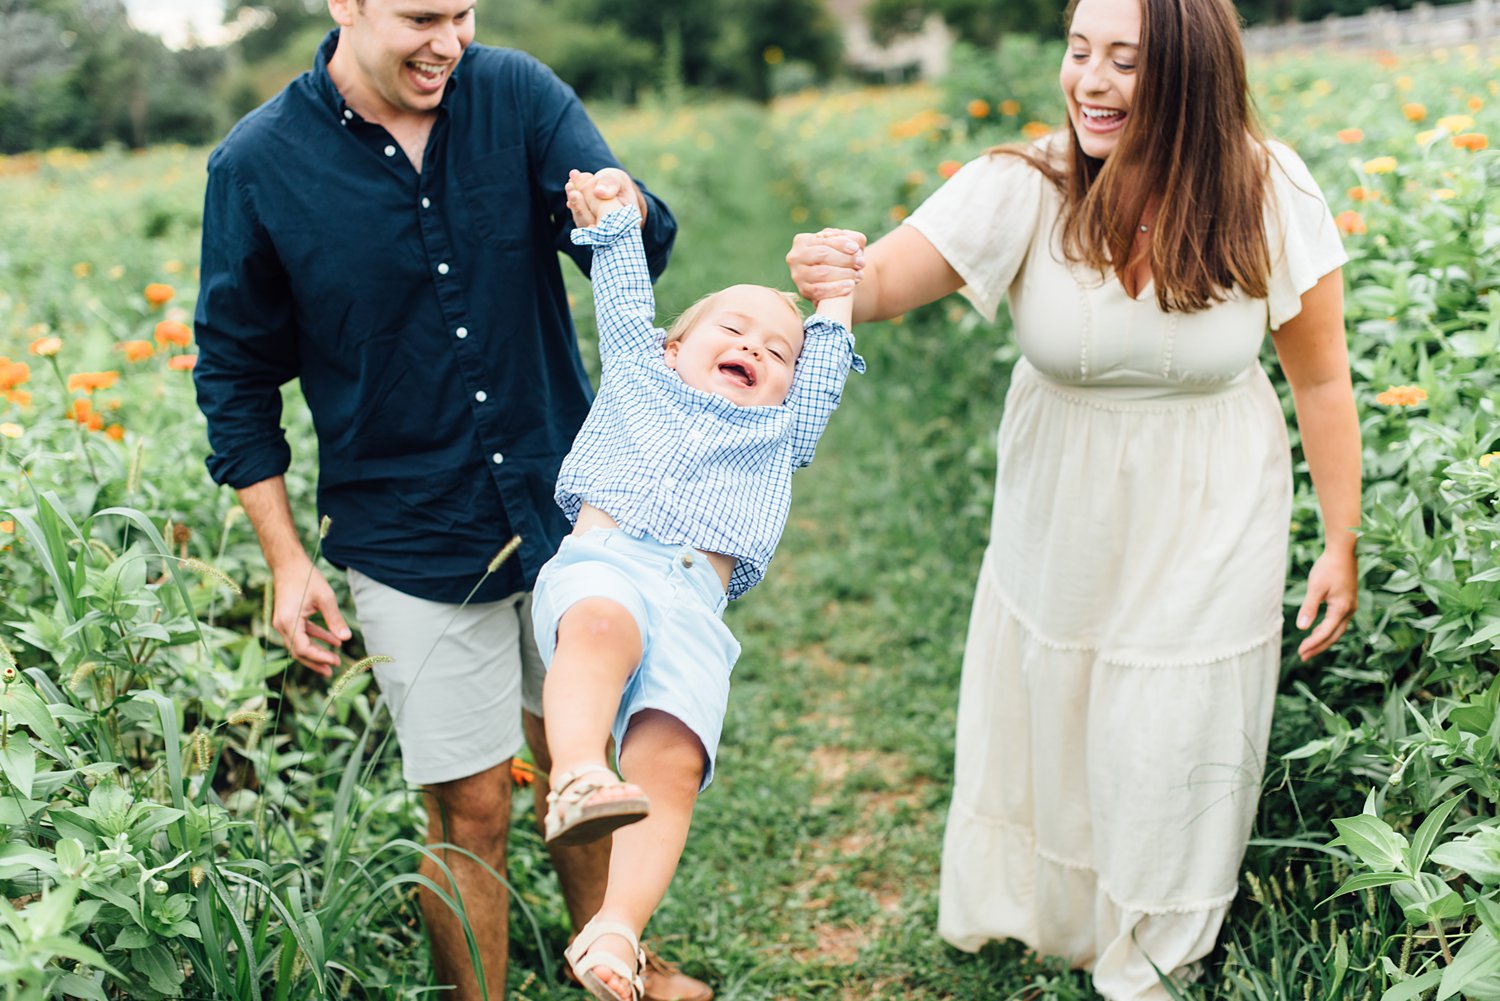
(329, 94)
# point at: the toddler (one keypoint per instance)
(678, 486)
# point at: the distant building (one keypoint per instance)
(922, 55)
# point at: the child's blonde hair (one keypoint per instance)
(685, 320)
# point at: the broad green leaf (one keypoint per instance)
(1432, 826)
(26, 707)
(1408, 990)
(1479, 958)
(18, 763)
(1372, 841)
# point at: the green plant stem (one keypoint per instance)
(1437, 930)
(83, 441)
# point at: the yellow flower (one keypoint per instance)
(1426, 136)
(1380, 165)
(1403, 83)
(1322, 88)
(773, 55)
(46, 347)
(1456, 123)
(1402, 396)
(1487, 458)
(9, 430)
(1010, 107)
(83, 269)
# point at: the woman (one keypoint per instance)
(1124, 645)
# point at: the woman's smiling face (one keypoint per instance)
(1099, 71)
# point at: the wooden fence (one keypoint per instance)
(1423, 26)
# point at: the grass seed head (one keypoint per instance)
(82, 673)
(355, 670)
(203, 750)
(505, 553)
(323, 527)
(208, 570)
(6, 657)
(245, 716)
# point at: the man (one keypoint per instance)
(386, 230)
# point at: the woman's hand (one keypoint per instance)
(1334, 581)
(826, 264)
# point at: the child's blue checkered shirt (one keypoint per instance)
(678, 464)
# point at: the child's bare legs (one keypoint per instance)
(598, 645)
(665, 759)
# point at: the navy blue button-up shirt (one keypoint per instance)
(424, 314)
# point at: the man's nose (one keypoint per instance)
(446, 42)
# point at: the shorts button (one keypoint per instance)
(687, 559)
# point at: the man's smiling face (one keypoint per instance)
(400, 53)
(743, 347)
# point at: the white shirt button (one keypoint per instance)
(348, 113)
(481, 396)
(390, 151)
(427, 203)
(497, 458)
(443, 269)
(461, 333)
(668, 482)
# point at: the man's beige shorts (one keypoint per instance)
(460, 677)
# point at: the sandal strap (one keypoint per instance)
(567, 780)
(581, 955)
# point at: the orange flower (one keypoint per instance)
(136, 350)
(82, 409)
(1402, 396)
(7, 527)
(1475, 141)
(1010, 107)
(90, 381)
(1476, 104)
(159, 294)
(978, 108)
(522, 773)
(182, 363)
(1350, 135)
(116, 432)
(1035, 130)
(19, 397)
(948, 168)
(13, 373)
(173, 332)
(1358, 194)
(1414, 112)
(898, 212)
(1350, 223)
(46, 347)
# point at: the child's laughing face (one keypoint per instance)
(743, 347)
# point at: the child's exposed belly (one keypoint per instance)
(590, 518)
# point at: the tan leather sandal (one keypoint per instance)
(573, 820)
(585, 954)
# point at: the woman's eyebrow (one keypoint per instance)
(1113, 45)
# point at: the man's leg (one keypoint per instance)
(472, 813)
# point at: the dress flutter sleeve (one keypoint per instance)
(983, 221)
(1302, 237)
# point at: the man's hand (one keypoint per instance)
(300, 593)
(592, 196)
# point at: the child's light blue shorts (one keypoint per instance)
(677, 601)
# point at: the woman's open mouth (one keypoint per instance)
(1100, 120)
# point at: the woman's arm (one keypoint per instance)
(902, 271)
(1315, 358)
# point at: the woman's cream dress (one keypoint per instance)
(1123, 650)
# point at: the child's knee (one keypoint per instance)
(598, 620)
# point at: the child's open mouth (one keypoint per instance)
(738, 372)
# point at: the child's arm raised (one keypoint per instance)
(624, 305)
(827, 356)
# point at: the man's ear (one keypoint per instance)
(670, 354)
(342, 12)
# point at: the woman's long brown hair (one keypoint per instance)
(1192, 147)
